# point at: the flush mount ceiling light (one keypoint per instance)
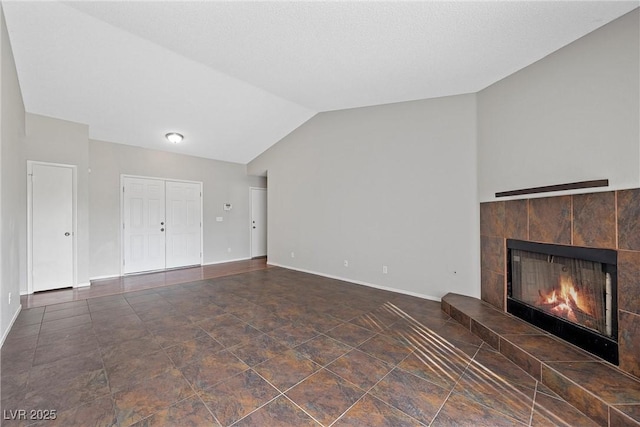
(174, 137)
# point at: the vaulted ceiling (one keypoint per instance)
(236, 77)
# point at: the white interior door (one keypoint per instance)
(144, 224)
(51, 227)
(258, 222)
(184, 222)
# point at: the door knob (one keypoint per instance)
(254, 226)
(162, 229)
(162, 223)
(67, 234)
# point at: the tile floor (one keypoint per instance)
(606, 394)
(139, 282)
(271, 347)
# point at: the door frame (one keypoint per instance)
(251, 224)
(121, 191)
(74, 215)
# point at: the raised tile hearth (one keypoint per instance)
(598, 389)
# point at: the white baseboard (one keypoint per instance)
(82, 285)
(358, 282)
(13, 320)
(226, 260)
(111, 276)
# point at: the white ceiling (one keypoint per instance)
(236, 77)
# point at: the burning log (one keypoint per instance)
(582, 316)
(549, 301)
(564, 305)
(550, 305)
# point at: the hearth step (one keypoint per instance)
(598, 389)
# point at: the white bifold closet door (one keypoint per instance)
(183, 223)
(161, 224)
(144, 225)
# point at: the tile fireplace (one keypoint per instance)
(603, 221)
(568, 291)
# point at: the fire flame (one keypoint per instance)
(564, 300)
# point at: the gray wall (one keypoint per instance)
(390, 185)
(223, 182)
(12, 185)
(98, 199)
(59, 141)
(572, 116)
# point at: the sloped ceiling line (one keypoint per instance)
(236, 77)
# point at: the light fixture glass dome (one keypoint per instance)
(174, 137)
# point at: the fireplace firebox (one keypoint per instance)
(567, 291)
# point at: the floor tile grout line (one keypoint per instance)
(474, 366)
(163, 409)
(444, 402)
(471, 363)
(198, 392)
(256, 409)
(101, 347)
(394, 366)
(80, 404)
(302, 409)
(280, 393)
(104, 367)
(208, 409)
(301, 343)
(366, 341)
(194, 390)
(467, 364)
(303, 379)
(306, 378)
(533, 404)
(211, 387)
(362, 397)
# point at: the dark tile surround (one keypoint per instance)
(601, 220)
